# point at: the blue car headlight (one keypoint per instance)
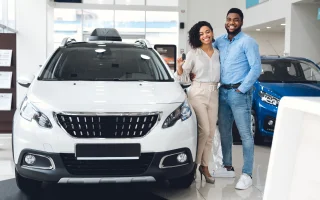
(183, 112)
(269, 98)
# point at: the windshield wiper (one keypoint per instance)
(108, 79)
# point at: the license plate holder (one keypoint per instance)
(107, 151)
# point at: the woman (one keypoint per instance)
(203, 62)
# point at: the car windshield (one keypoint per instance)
(105, 63)
(289, 71)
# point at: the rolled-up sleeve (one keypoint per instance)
(187, 68)
(251, 50)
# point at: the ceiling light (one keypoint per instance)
(283, 24)
(268, 27)
(257, 29)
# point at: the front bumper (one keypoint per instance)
(264, 113)
(69, 170)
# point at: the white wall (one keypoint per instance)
(270, 43)
(213, 11)
(31, 25)
(305, 31)
(268, 11)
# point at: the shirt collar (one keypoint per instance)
(238, 36)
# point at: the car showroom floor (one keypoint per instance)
(223, 188)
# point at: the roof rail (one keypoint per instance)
(67, 41)
(144, 43)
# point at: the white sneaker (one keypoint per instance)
(244, 182)
(224, 173)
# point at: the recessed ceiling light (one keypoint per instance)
(268, 27)
(283, 24)
(257, 29)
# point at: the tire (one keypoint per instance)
(258, 138)
(235, 135)
(184, 181)
(27, 186)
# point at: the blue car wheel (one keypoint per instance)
(258, 139)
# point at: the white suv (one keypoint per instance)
(104, 112)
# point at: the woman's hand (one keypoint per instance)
(179, 66)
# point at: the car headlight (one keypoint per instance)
(269, 98)
(183, 113)
(30, 112)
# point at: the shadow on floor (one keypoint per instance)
(9, 191)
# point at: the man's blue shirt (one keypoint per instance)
(240, 60)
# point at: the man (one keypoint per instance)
(240, 68)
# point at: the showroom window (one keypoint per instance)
(96, 18)
(7, 14)
(11, 14)
(163, 3)
(1, 13)
(130, 2)
(67, 23)
(98, 1)
(162, 27)
(159, 27)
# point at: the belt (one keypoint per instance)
(230, 86)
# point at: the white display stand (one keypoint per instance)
(294, 159)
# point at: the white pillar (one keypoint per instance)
(31, 24)
(305, 31)
(287, 38)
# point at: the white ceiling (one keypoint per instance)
(275, 26)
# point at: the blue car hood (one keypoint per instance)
(292, 89)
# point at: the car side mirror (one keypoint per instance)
(26, 80)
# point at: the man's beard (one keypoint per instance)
(235, 32)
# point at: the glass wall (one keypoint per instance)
(159, 27)
(67, 23)
(7, 13)
(1, 11)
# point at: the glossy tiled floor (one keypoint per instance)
(223, 188)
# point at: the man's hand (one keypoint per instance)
(192, 76)
(238, 91)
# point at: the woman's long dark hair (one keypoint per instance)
(194, 35)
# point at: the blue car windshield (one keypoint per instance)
(289, 71)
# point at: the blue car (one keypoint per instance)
(280, 76)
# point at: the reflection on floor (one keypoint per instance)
(223, 189)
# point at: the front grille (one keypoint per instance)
(107, 167)
(82, 126)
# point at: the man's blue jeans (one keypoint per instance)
(235, 106)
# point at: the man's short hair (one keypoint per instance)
(237, 11)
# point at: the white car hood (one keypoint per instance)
(90, 96)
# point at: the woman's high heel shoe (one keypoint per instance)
(208, 179)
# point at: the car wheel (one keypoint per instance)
(26, 185)
(235, 135)
(183, 182)
(258, 138)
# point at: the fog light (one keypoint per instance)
(182, 158)
(270, 122)
(30, 159)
